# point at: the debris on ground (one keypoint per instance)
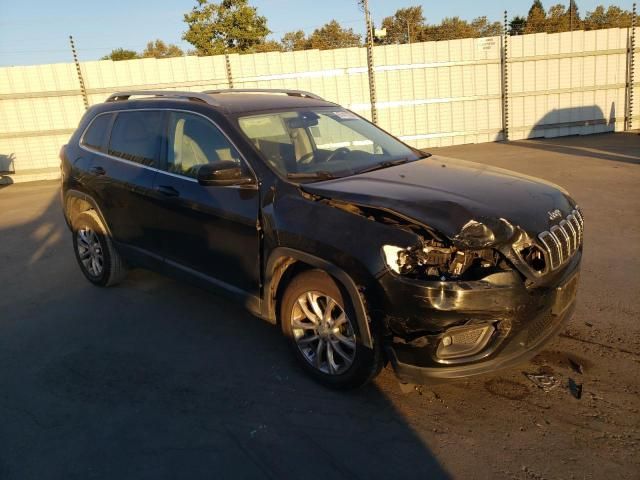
(575, 366)
(544, 381)
(575, 388)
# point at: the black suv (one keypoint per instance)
(362, 248)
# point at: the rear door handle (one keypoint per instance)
(167, 191)
(97, 170)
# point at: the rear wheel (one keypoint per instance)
(98, 259)
(320, 324)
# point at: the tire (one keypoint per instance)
(338, 366)
(98, 259)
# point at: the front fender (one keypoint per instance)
(281, 258)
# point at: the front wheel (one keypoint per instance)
(321, 327)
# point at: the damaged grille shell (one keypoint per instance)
(563, 240)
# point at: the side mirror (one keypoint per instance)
(223, 173)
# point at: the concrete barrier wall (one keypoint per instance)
(429, 94)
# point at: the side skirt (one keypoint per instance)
(145, 259)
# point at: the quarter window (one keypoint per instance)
(195, 141)
(136, 137)
(96, 134)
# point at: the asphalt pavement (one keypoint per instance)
(158, 379)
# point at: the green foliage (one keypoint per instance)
(613, 17)
(452, 28)
(267, 46)
(293, 41)
(561, 18)
(517, 25)
(120, 54)
(405, 26)
(159, 49)
(225, 27)
(536, 19)
(482, 27)
(557, 19)
(233, 26)
(333, 35)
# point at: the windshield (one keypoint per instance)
(323, 143)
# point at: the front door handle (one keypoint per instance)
(167, 191)
(97, 170)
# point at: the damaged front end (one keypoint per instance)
(472, 303)
(472, 254)
(469, 302)
(477, 267)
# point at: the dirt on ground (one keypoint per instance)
(157, 379)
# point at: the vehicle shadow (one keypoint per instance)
(156, 379)
(555, 126)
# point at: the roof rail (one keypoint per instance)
(192, 96)
(291, 93)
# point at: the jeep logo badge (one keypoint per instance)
(554, 214)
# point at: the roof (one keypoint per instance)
(234, 102)
(253, 102)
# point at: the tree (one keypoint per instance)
(557, 19)
(228, 26)
(292, 41)
(613, 17)
(267, 46)
(451, 28)
(483, 28)
(333, 35)
(159, 49)
(120, 54)
(517, 25)
(573, 16)
(405, 26)
(536, 19)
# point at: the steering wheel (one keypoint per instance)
(336, 153)
(306, 158)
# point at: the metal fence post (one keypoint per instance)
(370, 66)
(229, 73)
(83, 90)
(631, 49)
(505, 80)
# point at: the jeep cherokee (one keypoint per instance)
(361, 248)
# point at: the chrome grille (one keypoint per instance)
(561, 241)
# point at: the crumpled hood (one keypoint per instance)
(446, 194)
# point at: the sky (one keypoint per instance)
(37, 31)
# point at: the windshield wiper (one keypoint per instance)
(320, 175)
(381, 165)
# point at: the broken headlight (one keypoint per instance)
(437, 261)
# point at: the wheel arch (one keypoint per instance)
(76, 202)
(284, 263)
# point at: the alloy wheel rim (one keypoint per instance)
(323, 333)
(90, 251)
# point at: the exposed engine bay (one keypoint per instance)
(435, 261)
(435, 258)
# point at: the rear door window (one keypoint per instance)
(96, 135)
(137, 137)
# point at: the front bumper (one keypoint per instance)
(522, 321)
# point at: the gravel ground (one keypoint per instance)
(157, 379)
